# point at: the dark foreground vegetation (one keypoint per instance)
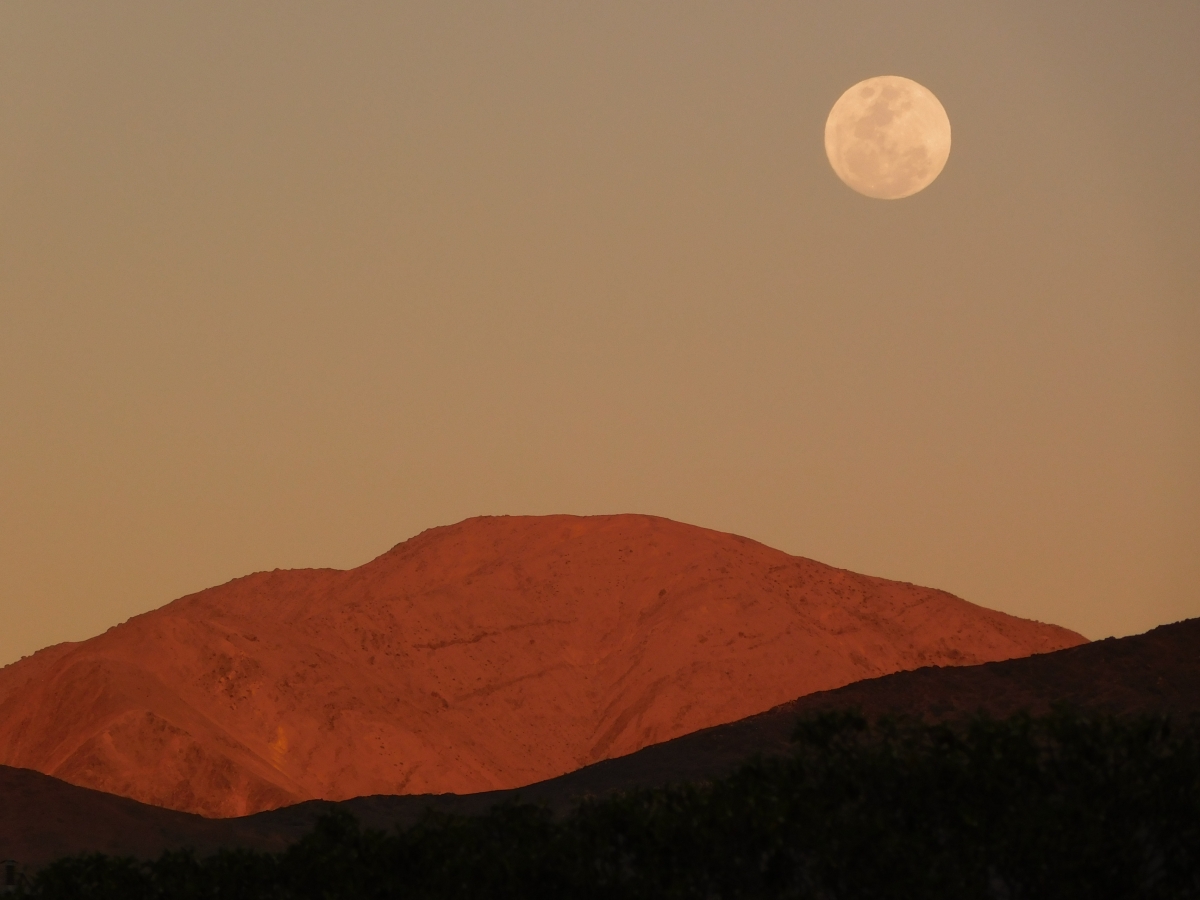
(1063, 806)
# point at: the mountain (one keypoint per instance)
(1154, 673)
(486, 655)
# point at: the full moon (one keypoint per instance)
(887, 137)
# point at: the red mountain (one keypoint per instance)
(1157, 673)
(484, 655)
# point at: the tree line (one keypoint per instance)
(1065, 805)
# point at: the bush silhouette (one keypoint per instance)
(1065, 805)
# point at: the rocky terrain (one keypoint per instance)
(1157, 673)
(486, 655)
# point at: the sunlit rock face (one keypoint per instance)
(488, 654)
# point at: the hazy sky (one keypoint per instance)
(283, 284)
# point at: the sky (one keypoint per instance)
(285, 284)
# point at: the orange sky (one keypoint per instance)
(284, 284)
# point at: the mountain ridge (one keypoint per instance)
(1156, 673)
(478, 656)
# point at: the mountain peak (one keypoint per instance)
(491, 653)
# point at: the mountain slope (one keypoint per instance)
(1155, 673)
(480, 656)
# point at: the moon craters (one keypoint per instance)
(887, 137)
